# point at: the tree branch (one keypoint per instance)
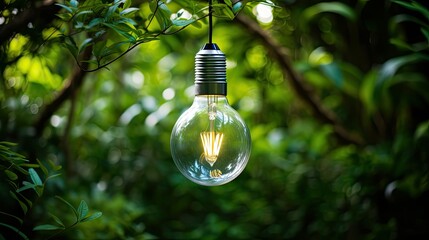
(303, 90)
(40, 14)
(74, 82)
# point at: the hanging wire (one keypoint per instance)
(210, 22)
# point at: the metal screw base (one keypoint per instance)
(210, 71)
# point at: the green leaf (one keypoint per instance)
(53, 176)
(54, 166)
(116, 28)
(84, 44)
(367, 90)
(164, 8)
(333, 72)
(12, 216)
(222, 10)
(71, 46)
(100, 33)
(15, 230)
(43, 167)
(401, 44)
(48, 227)
(79, 24)
(35, 177)
(29, 203)
(162, 13)
(65, 16)
(425, 32)
(390, 67)
(421, 130)
(128, 23)
(5, 143)
(182, 22)
(30, 165)
(39, 190)
(27, 185)
(82, 210)
(333, 7)
(127, 3)
(11, 175)
(22, 204)
(67, 8)
(111, 10)
(94, 22)
(68, 204)
(83, 13)
(229, 13)
(415, 6)
(57, 220)
(92, 217)
(128, 10)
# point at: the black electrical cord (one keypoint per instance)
(210, 22)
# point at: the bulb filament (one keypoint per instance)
(211, 143)
(211, 139)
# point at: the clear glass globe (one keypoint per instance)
(210, 143)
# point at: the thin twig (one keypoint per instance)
(153, 15)
(163, 32)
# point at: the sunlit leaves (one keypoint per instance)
(129, 10)
(96, 22)
(182, 22)
(16, 45)
(34, 70)
(162, 13)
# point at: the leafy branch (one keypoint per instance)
(113, 30)
(81, 215)
(97, 20)
(13, 165)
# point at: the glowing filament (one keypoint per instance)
(211, 143)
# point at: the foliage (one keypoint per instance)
(92, 22)
(13, 164)
(364, 60)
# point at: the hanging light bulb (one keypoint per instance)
(210, 143)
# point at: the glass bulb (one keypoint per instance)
(210, 143)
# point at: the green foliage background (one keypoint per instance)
(365, 61)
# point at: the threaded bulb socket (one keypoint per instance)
(210, 71)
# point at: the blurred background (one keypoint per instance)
(335, 94)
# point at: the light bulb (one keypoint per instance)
(210, 143)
